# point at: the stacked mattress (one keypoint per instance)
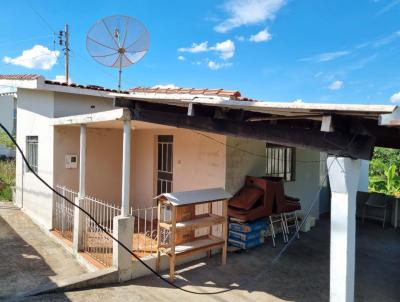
(247, 235)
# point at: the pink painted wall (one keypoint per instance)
(198, 162)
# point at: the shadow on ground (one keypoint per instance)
(29, 258)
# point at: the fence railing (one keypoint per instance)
(96, 242)
(144, 241)
(63, 220)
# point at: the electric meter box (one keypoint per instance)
(71, 161)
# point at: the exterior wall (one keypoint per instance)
(34, 111)
(240, 163)
(103, 161)
(198, 162)
(307, 181)
(252, 162)
(364, 170)
(7, 105)
(74, 104)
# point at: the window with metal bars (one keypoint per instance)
(32, 152)
(280, 162)
(164, 163)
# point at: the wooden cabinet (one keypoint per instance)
(182, 223)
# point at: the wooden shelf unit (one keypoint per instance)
(183, 223)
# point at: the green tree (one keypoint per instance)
(384, 171)
(5, 140)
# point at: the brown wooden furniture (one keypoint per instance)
(181, 222)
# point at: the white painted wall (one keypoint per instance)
(7, 105)
(240, 163)
(74, 104)
(364, 170)
(34, 111)
(307, 182)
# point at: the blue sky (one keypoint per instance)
(275, 50)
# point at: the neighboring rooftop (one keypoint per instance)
(19, 76)
(233, 94)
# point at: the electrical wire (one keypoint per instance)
(41, 17)
(137, 257)
(101, 227)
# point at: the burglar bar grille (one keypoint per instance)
(280, 162)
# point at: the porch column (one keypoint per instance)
(344, 176)
(126, 168)
(123, 225)
(78, 215)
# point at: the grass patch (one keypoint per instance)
(7, 179)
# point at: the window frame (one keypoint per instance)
(273, 168)
(32, 152)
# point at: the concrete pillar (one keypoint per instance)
(126, 168)
(78, 215)
(122, 259)
(344, 175)
(82, 162)
(123, 225)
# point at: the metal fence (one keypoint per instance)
(96, 242)
(144, 241)
(64, 212)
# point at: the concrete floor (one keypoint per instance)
(302, 274)
(29, 258)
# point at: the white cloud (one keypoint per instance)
(247, 12)
(395, 98)
(195, 48)
(166, 86)
(215, 65)
(298, 101)
(240, 38)
(336, 85)
(225, 49)
(327, 56)
(38, 57)
(261, 36)
(181, 58)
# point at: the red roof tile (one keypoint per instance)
(19, 76)
(233, 94)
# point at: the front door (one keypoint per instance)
(164, 163)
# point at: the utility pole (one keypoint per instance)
(63, 37)
(66, 53)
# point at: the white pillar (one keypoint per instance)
(78, 215)
(126, 168)
(344, 175)
(123, 225)
(82, 162)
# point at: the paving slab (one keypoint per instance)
(30, 259)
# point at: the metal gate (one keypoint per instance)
(63, 220)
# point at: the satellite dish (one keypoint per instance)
(118, 41)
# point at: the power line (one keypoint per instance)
(40, 16)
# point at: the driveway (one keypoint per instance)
(29, 258)
(302, 274)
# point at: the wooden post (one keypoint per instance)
(225, 230)
(158, 236)
(172, 250)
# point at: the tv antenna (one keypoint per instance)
(118, 41)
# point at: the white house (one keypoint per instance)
(90, 142)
